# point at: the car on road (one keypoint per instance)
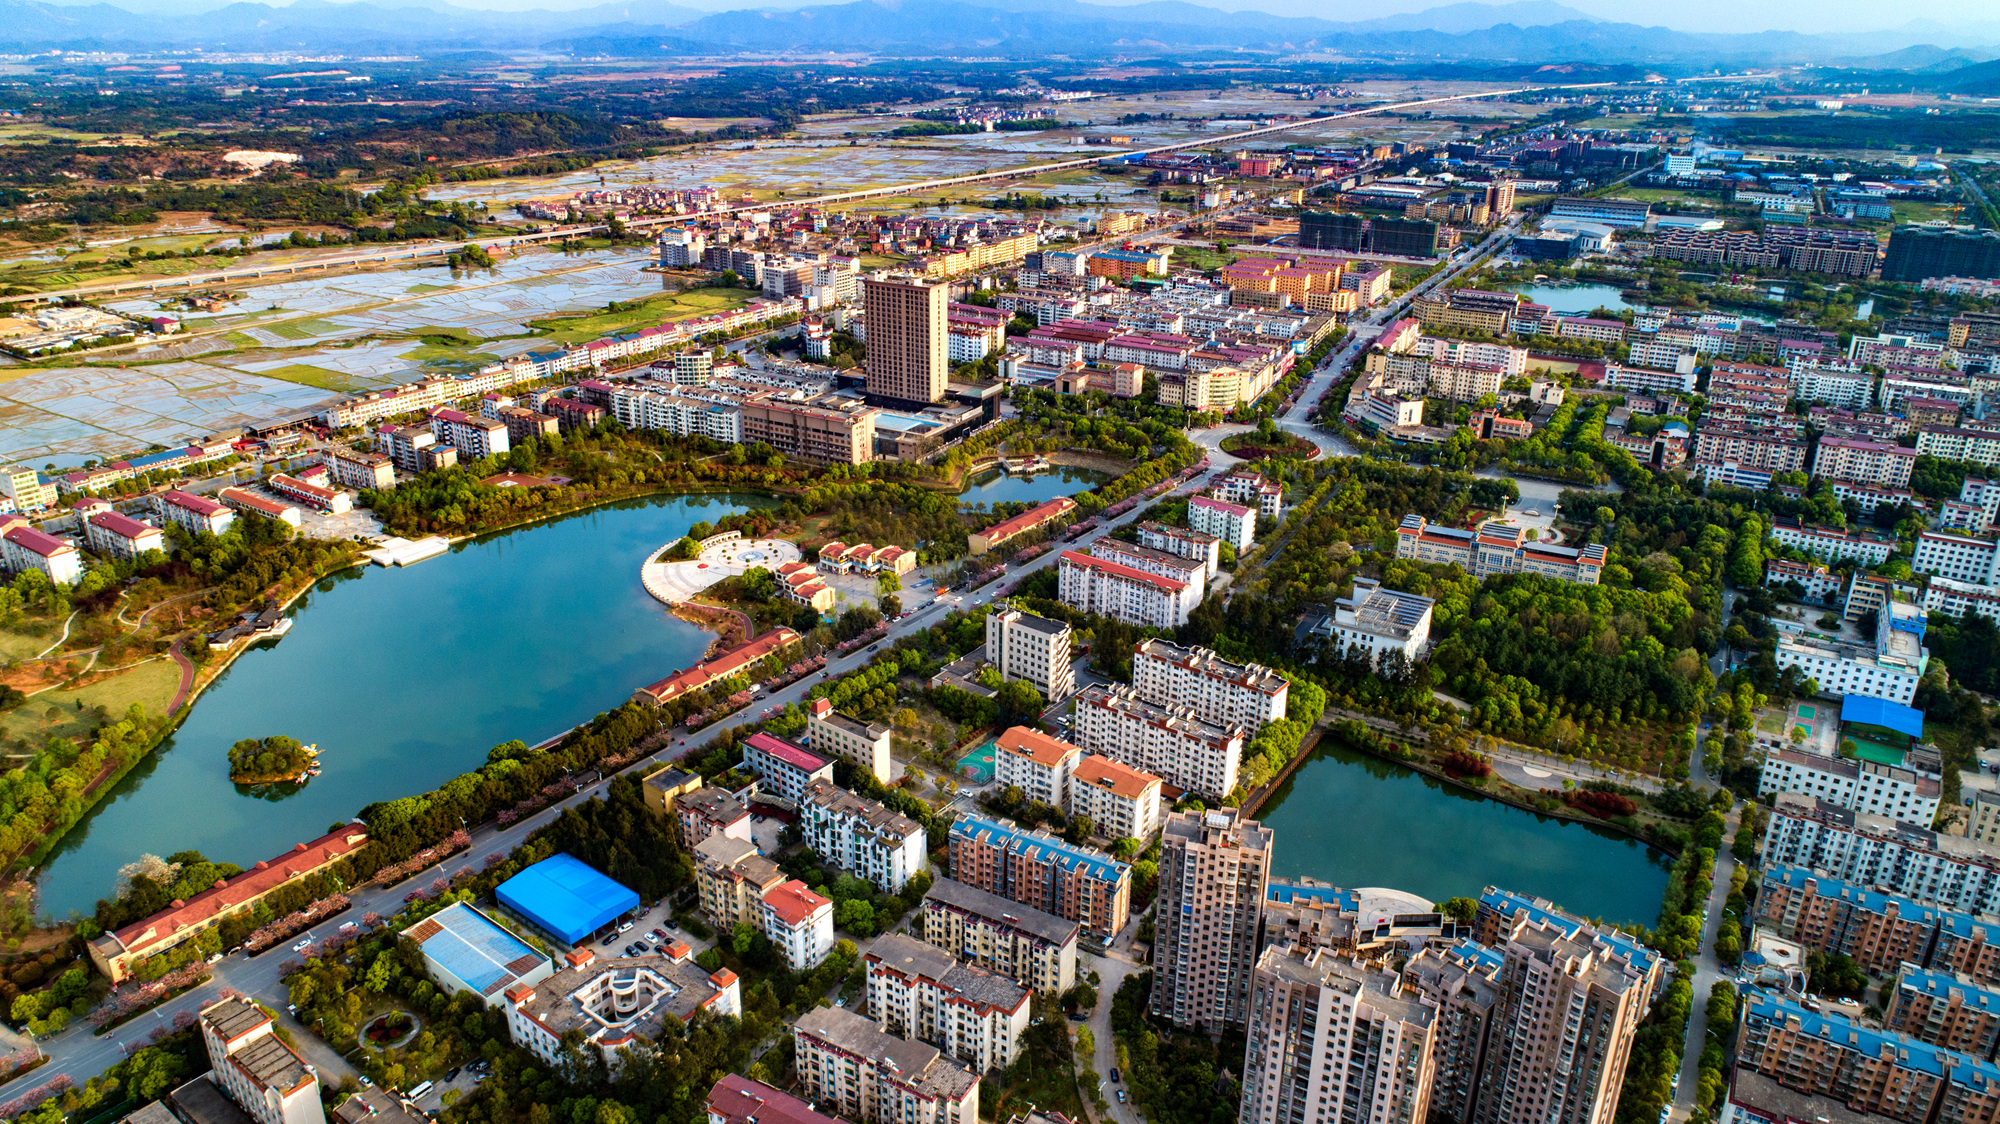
(413, 895)
(303, 945)
(451, 1074)
(1121, 1096)
(1114, 1074)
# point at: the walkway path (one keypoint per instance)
(187, 678)
(1707, 970)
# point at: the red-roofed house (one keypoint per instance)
(800, 923)
(242, 499)
(1099, 585)
(1037, 764)
(23, 548)
(740, 660)
(742, 1100)
(121, 536)
(1032, 519)
(196, 513)
(783, 769)
(114, 953)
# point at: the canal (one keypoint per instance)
(1354, 820)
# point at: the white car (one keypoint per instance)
(302, 945)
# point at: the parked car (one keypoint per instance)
(451, 1074)
(1114, 1074)
(624, 926)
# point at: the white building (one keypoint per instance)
(850, 1067)
(263, 1075)
(25, 488)
(465, 950)
(1232, 523)
(1037, 764)
(1037, 649)
(1681, 379)
(1224, 693)
(24, 548)
(1122, 802)
(800, 923)
(1379, 621)
(917, 990)
(864, 743)
(1864, 786)
(1964, 558)
(361, 471)
(474, 438)
(121, 536)
(862, 836)
(1890, 670)
(617, 1003)
(1185, 542)
(1113, 589)
(1332, 1039)
(1844, 385)
(1903, 858)
(1192, 571)
(1171, 742)
(1834, 545)
(198, 514)
(784, 770)
(1248, 488)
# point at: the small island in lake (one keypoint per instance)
(273, 759)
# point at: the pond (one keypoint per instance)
(1355, 820)
(404, 678)
(996, 486)
(1574, 298)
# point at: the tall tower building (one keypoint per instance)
(1332, 1041)
(1213, 868)
(906, 338)
(1569, 1002)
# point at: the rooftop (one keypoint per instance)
(742, 1100)
(796, 756)
(1115, 777)
(793, 903)
(1046, 848)
(909, 1063)
(474, 948)
(1036, 746)
(973, 900)
(609, 1000)
(231, 893)
(1121, 570)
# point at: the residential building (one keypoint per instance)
(1121, 802)
(1212, 871)
(121, 537)
(861, 835)
(1868, 462)
(1331, 1039)
(866, 744)
(1851, 782)
(1832, 544)
(1944, 1010)
(332, 501)
(1877, 929)
(1833, 384)
(262, 1074)
(1037, 764)
(1219, 692)
(1025, 646)
(1980, 446)
(198, 515)
(850, 1065)
(1377, 622)
(1234, 524)
(474, 438)
(1619, 214)
(1188, 543)
(242, 500)
(1167, 740)
(799, 923)
(1098, 585)
(616, 1004)
(1949, 871)
(907, 358)
(1965, 558)
(732, 879)
(823, 430)
(735, 1099)
(1889, 669)
(1879, 1072)
(710, 811)
(1167, 565)
(1917, 253)
(1759, 449)
(1076, 883)
(25, 488)
(1497, 548)
(360, 471)
(784, 770)
(917, 990)
(1034, 948)
(406, 446)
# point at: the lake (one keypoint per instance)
(1354, 820)
(1574, 298)
(404, 678)
(995, 486)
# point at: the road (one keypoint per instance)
(1707, 970)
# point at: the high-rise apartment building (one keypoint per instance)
(1334, 1041)
(1227, 694)
(1213, 866)
(1080, 884)
(906, 338)
(1026, 646)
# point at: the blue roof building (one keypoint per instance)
(565, 898)
(465, 950)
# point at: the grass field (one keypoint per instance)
(1666, 195)
(653, 310)
(308, 375)
(151, 684)
(1907, 210)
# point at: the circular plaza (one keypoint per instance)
(722, 556)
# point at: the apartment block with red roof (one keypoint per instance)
(1122, 802)
(24, 548)
(784, 769)
(742, 1100)
(800, 923)
(1233, 523)
(121, 536)
(1037, 764)
(1113, 589)
(262, 1074)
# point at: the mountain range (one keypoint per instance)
(1505, 36)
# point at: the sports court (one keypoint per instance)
(977, 766)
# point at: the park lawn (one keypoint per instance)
(16, 644)
(151, 684)
(1665, 195)
(1203, 258)
(306, 374)
(1909, 210)
(665, 307)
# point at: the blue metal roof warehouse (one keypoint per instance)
(565, 898)
(1872, 711)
